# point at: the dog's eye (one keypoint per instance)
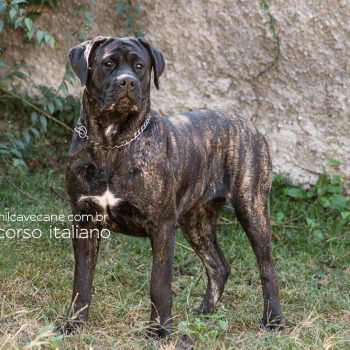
(139, 66)
(109, 64)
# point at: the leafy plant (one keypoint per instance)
(329, 192)
(271, 23)
(206, 328)
(328, 196)
(16, 15)
(49, 105)
(45, 105)
(131, 12)
(86, 12)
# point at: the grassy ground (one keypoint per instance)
(312, 254)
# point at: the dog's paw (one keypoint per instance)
(156, 331)
(205, 308)
(184, 343)
(69, 327)
(277, 323)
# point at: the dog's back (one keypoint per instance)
(215, 154)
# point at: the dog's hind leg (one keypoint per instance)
(199, 227)
(251, 203)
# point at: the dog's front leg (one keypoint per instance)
(86, 245)
(163, 243)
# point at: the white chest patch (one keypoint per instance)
(107, 199)
(109, 130)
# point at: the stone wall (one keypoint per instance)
(214, 51)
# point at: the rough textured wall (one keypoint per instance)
(215, 49)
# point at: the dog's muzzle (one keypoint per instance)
(122, 94)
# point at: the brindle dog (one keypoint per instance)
(150, 174)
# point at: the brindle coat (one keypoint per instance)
(178, 173)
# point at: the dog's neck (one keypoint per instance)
(106, 129)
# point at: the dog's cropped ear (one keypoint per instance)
(80, 57)
(157, 60)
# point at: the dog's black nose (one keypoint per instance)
(126, 81)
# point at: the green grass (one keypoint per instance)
(312, 255)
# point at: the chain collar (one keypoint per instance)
(81, 130)
(83, 134)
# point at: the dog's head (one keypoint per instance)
(117, 71)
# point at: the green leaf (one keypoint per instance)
(120, 7)
(136, 9)
(50, 106)
(334, 163)
(4, 152)
(52, 41)
(26, 136)
(223, 324)
(16, 152)
(63, 88)
(47, 37)
(280, 216)
(35, 132)
(78, 9)
(336, 180)
(88, 19)
(310, 194)
(59, 103)
(345, 215)
(20, 144)
(310, 222)
(2, 64)
(8, 135)
(30, 35)
(334, 189)
(1, 25)
(294, 192)
(338, 201)
(319, 234)
(20, 75)
(29, 24)
(264, 5)
(19, 163)
(128, 21)
(43, 122)
(13, 13)
(321, 184)
(325, 202)
(40, 35)
(15, 2)
(2, 6)
(18, 22)
(70, 77)
(34, 117)
(3, 146)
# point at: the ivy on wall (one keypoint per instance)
(46, 107)
(131, 13)
(272, 28)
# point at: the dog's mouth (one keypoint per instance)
(124, 105)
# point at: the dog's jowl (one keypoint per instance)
(148, 175)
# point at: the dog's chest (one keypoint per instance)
(102, 188)
(104, 201)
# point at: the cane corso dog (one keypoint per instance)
(149, 175)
